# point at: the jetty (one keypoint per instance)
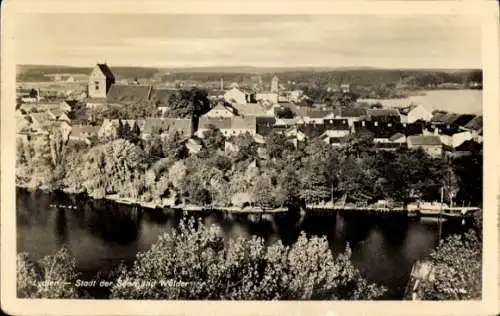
(413, 210)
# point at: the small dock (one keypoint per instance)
(447, 212)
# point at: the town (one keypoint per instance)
(107, 111)
(299, 157)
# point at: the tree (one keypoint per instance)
(262, 191)
(188, 103)
(196, 262)
(457, 269)
(174, 146)
(52, 277)
(213, 139)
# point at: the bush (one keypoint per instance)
(457, 269)
(52, 277)
(197, 262)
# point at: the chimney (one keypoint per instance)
(221, 84)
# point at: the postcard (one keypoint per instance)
(250, 158)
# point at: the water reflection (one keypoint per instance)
(101, 234)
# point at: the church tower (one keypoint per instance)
(100, 81)
(275, 85)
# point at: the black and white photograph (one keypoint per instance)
(248, 157)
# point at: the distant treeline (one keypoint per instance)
(418, 78)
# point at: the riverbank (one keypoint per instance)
(445, 212)
(163, 203)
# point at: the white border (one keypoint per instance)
(489, 304)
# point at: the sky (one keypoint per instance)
(162, 40)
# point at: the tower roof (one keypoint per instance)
(106, 71)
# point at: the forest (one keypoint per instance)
(320, 77)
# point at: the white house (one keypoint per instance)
(219, 111)
(414, 113)
(235, 95)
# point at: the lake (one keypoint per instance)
(101, 234)
(458, 101)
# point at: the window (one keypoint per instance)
(96, 85)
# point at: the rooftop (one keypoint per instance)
(128, 93)
(424, 140)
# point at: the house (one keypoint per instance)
(40, 119)
(228, 126)
(57, 114)
(251, 109)
(67, 105)
(312, 130)
(475, 126)
(430, 144)
(384, 115)
(83, 133)
(468, 147)
(315, 115)
(235, 95)
(166, 126)
(381, 131)
(109, 128)
(100, 81)
(351, 114)
(220, 110)
(413, 113)
(129, 94)
(161, 97)
(337, 127)
(345, 88)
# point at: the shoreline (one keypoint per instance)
(450, 212)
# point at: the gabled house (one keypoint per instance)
(40, 119)
(166, 126)
(337, 127)
(58, 114)
(235, 95)
(220, 111)
(413, 113)
(384, 115)
(475, 127)
(351, 114)
(430, 144)
(83, 133)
